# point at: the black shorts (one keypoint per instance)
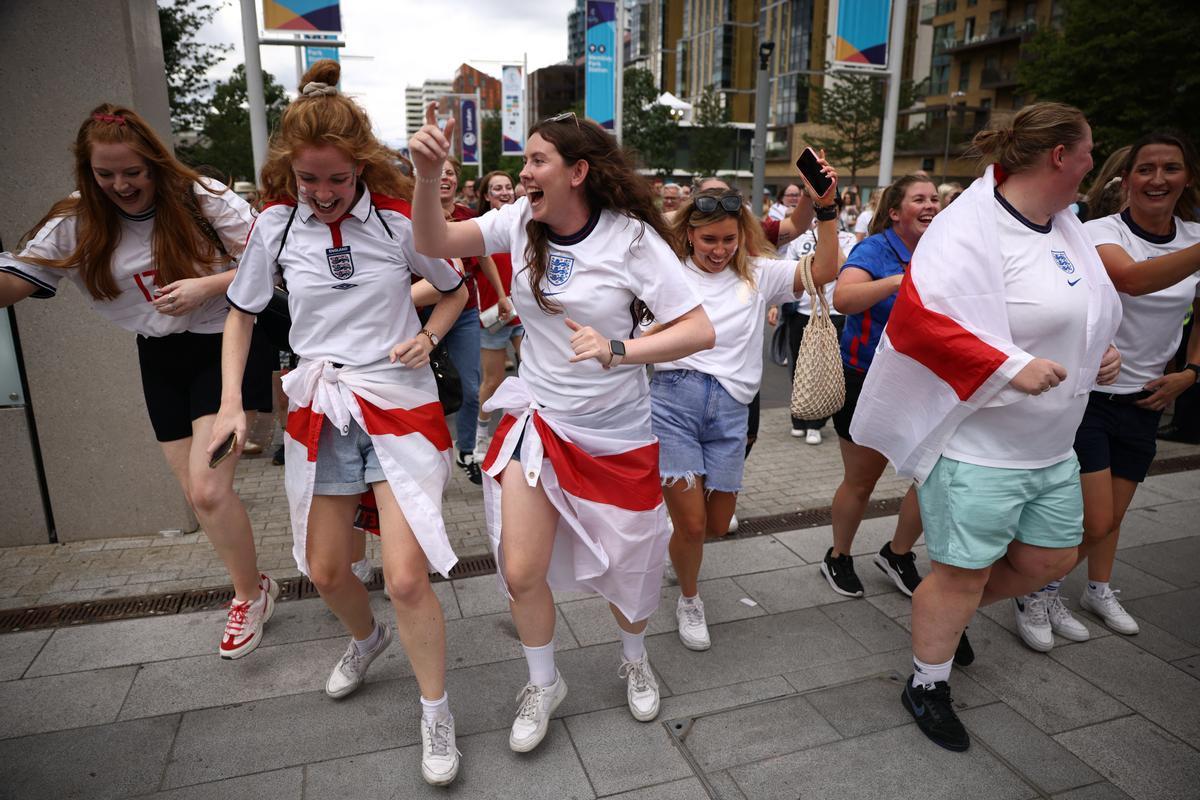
(181, 379)
(843, 416)
(1118, 436)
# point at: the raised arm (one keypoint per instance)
(825, 256)
(14, 289)
(433, 235)
(1152, 275)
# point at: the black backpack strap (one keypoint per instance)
(283, 239)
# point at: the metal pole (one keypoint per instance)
(479, 135)
(619, 66)
(254, 87)
(761, 99)
(946, 149)
(887, 149)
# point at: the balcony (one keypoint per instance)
(927, 13)
(945, 7)
(1003, 78)
(992, 36)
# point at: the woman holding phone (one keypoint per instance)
(573, 496)
(151, 245)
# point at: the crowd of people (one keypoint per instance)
(1010, 359)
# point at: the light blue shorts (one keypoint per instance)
(500, 339)
(701, 430)
(972, 513)
(347, 464)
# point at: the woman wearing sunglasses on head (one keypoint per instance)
(699, 403)
(573, 500)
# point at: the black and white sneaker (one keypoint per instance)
(470, 466)
(901, 569)
(933, 709)
(840, 574)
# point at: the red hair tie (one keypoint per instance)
(114, 118)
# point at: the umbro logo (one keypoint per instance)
(343, 286)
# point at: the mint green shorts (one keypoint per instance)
(972, 513)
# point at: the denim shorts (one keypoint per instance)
(346, 464)
(500, 339)
(972, 513)
(701, 430)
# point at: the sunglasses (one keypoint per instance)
(707, 204)
(563, 117)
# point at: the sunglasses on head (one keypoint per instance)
(707, 204)
(563, 117)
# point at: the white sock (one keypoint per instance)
(435, 709)
(929, 674)
(633, 645)
(481, 428)
(1097, 588)
(685, 599)
(1053, 586)
(364, 646)
(542, 671)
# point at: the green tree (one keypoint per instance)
(853, 109)
(1131, 67)
(225, 133)
(187, 60)
(647, 127)
(712, 138)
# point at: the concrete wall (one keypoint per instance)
(106, 474)
(23, 520)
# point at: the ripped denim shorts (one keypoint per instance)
(701, 430)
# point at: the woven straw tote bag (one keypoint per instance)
(818, 385)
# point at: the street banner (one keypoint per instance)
(512, 109)
(468, 119)
(302, 16)
(861, 39)
(600, 73)
(313, 54)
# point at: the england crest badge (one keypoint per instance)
(560, 269)
(1063, 263)
(341, 264)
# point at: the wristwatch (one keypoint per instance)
(618, 352)
(1194, 368)
(433, 337)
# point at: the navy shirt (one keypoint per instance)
(881, 255)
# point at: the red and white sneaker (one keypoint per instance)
(244, 625)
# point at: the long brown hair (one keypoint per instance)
(611, 184)
(890, 200)
(752, 241)
(1185, 206)
(179, 248)
(322, 115)
(1106, 195)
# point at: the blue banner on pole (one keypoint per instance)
(600, 76)
(468, 117)
(512, 113)
(314, 54)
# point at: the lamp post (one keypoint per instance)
(761, 95)
(946, 150)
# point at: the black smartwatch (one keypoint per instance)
(826, 213)
(618, 352)
(1194, 368)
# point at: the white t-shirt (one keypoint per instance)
(806, 244)
(1047, 303)
(737, 312)
(133, 265)
(349, 283)
(594, 276)
(778, 211)
(863, 223)
(1152, 324)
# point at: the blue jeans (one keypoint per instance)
(462, 340)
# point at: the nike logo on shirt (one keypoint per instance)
(1072, 283)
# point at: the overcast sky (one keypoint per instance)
(391, 44)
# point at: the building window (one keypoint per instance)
(968, 29)
(996, 23)
(946, 6)
(943, 37)
(939, 80)
(964, 74)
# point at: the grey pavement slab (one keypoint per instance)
(724, 787)
(873, 704)
(1158, 691)
(134, 641)
(882, 764)
(686, 789)
(1171, 561)
(743, 556)
(488, 770)
(755, 732)
(780, 643)
(707, 701)
(1189, 665)
(1130, 580)
(1138, 757)
(1158, 524)
(1178, 613)
(820, 676)
(109, 761)
(621, 754)
(40, 705)
(789, 589)
(18, 650)
(1051, 767)
(894, 604)
(479, 595)
(1158, 642)
(1097, 791)
(282, 783)
(869, 626)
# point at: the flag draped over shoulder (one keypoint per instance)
(947, 349)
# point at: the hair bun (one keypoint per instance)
(316, 88)
(321, 78)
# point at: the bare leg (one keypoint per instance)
(862, 466)
(720, 507)
(329, 551)
(689, 518)
(1026, 568)
(626, 625)
(908, 525)
(941, 608)
(528, 522)
(491, 363)
(1101, 554)
(419, 620)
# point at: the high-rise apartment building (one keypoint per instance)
(417, 97)
(468, 80)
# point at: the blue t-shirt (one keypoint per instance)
(881, 255)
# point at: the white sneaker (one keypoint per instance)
(439, 755)
(537, 703)
(1033, 622)
(1109, 610)
(482, 443)
(641, 688)
(363, 570)
(245, 621)
(1062, 622)
(733, 524)
(693, 628)
(797, 433)
(813, 436)
(351, 668)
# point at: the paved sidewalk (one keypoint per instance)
(798, 697)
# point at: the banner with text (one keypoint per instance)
(512, 109)
(861, 40)
(468, 119)
(600, 74)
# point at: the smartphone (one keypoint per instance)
(810, 168)
(223, 451)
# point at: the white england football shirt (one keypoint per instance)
(1047, 301)
(348, 282)
(133, 265)
(594, 276)
(1152, 324)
